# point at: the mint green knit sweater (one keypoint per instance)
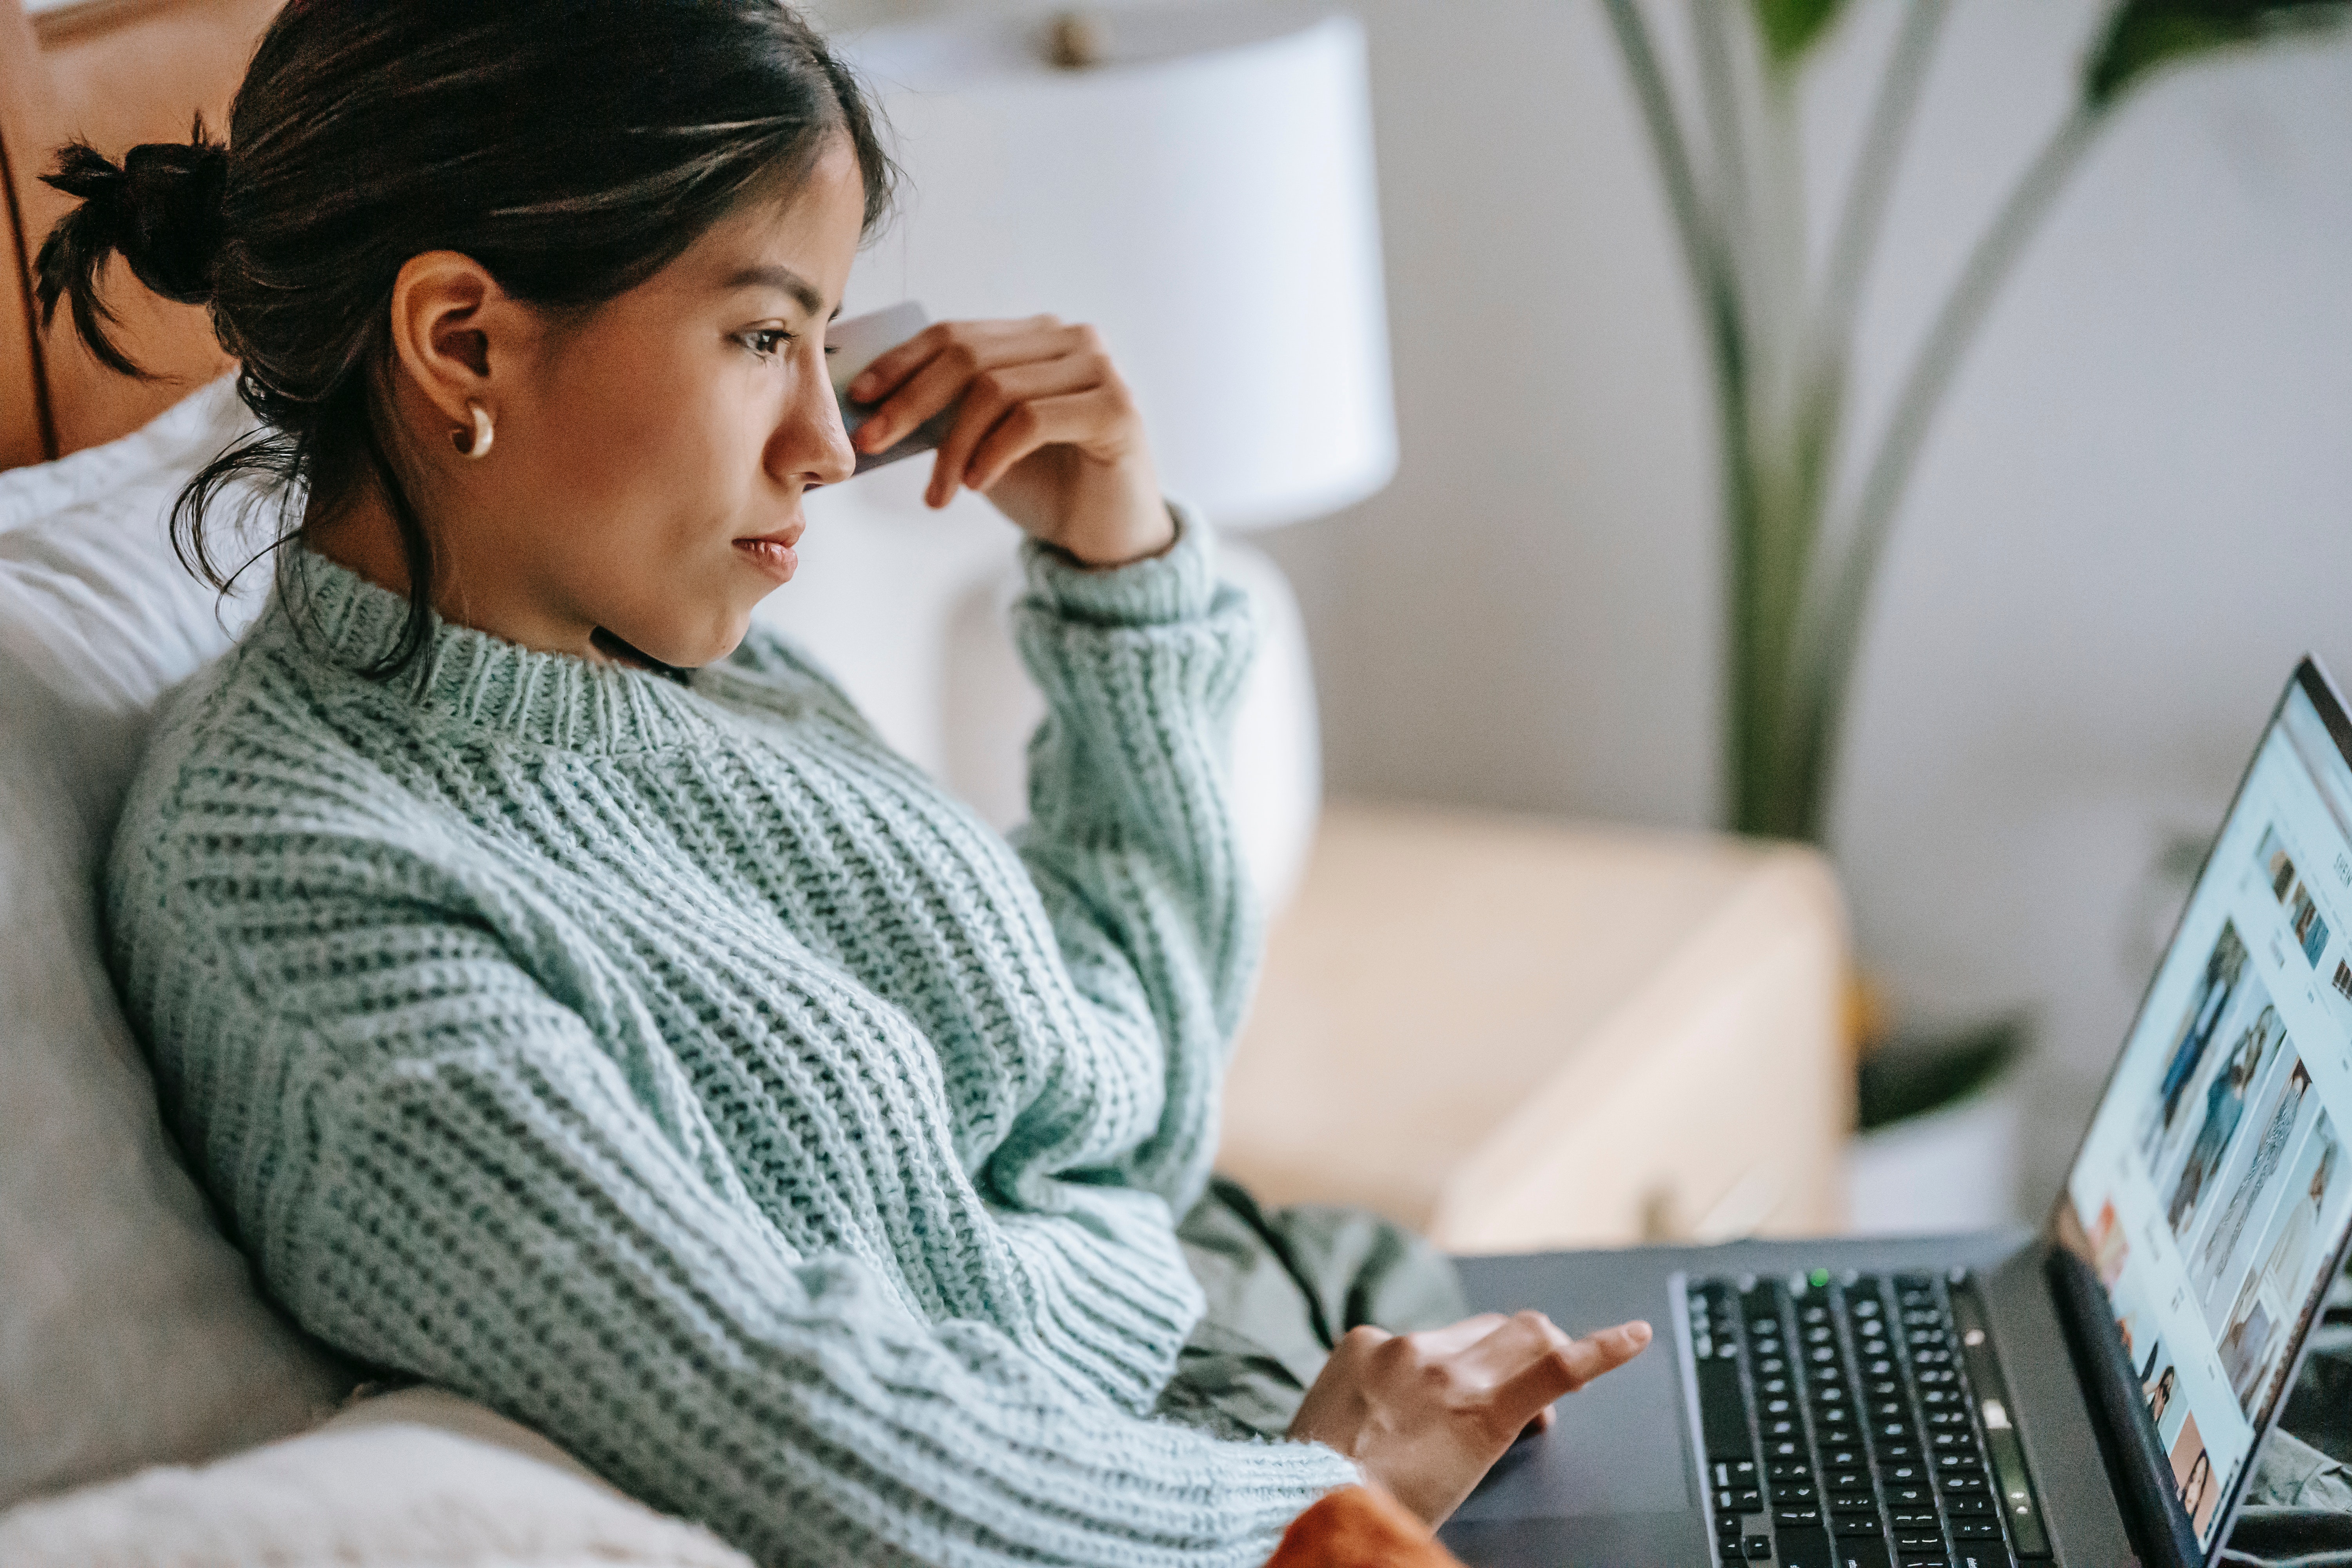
(678, 1070)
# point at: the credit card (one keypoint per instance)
(858, 343)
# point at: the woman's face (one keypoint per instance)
(649, 460)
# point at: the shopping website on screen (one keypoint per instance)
(2212, 1188)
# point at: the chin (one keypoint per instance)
(692, 649)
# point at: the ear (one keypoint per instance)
(455, 331)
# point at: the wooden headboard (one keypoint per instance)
(119, 72)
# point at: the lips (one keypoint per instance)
(774, 553)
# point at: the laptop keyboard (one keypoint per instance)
(1857, 1421)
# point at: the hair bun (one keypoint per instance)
(160, 207)
(171, 216)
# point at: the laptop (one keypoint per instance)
(2090, 1395)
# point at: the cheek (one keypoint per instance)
(635, 456)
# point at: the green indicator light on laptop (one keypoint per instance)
(1820, 1277)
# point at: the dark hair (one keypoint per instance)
(572, 147)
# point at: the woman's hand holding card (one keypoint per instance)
(1042, 426)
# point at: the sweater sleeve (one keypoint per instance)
(1131, 835)
(440, 1171)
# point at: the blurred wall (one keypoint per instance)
(2135, 513)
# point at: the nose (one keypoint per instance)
(810, 442)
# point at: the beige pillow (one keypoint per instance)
(420, 1478)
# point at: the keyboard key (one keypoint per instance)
(1910, 1498)
(1723, 1411)
(1849, 1481)
(1785, 1471)
(1757, 1546)
(1853, 1524)
(1975, 1529)
(1794, 1493)
(1964, 1504)
(1916, 1521)
(1805, 1549)
(1735, 1473)
(1926, 1560)
(1906, 1543)
(1981, 1554)
(1784, 1517)
(1837, 1457)
(1854, 1502)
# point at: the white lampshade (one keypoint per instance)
(1206, 197)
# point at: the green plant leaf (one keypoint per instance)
(2145, 35)
(1790, 27)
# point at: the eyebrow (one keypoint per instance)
(771, 276)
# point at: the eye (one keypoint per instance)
(763, 341)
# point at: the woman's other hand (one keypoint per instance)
(1047, 431)
(1427, 1415)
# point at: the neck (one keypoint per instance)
(362, 536)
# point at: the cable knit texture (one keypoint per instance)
(677, 1069)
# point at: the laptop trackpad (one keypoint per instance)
(1611, 1485)
(1615, 1446)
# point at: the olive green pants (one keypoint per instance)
(1283, 1286)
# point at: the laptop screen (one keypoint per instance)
(2214, 1188)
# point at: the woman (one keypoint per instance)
(2196, 1489)
(2225, 1103)
(2221, 1241)
(565, 994)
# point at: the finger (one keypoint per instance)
(1460, 1336)
(1075, 417)
(1563, 1369)
(1518, 1341)
(924, 375)
(889, 369)
(991, 395)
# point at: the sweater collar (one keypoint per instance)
(476, 680)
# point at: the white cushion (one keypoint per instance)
(415, 1480)
(131, 1332)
